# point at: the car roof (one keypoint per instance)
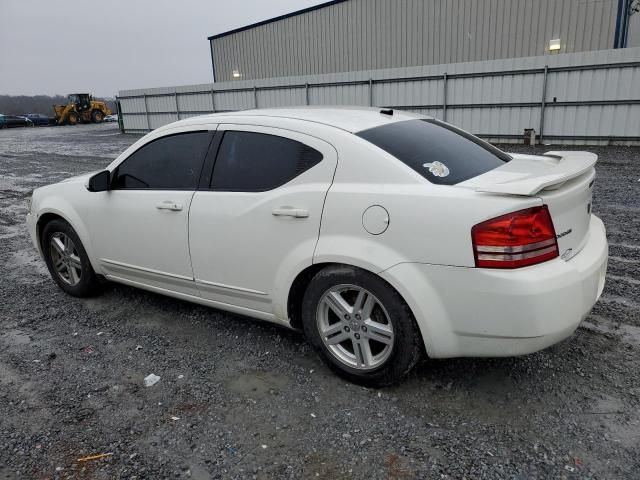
(351, 119)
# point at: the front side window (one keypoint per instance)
(257, 162)
(168, 163)
(441, 153)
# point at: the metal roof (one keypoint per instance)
(275, 19)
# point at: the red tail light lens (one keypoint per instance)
(517, 239)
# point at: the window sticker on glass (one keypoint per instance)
(436, 168)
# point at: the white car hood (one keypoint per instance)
(80, 178)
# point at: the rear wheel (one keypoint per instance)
(97, 116)
(67, 260)
(360, 326)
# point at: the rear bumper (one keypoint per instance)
(489, 312)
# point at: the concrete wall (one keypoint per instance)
(357, 35)
(589, 97)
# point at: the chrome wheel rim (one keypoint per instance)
(65, 258)
(355, 327)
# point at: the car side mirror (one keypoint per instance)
(100, 182)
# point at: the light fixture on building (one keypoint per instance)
(554, 45)
(236, 74)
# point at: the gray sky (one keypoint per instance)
(102, 46)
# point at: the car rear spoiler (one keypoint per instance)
(529, 174)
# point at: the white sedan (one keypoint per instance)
(382, 234)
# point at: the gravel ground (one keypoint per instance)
(243, 399)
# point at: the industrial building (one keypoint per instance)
(555, 69)
(355, 35)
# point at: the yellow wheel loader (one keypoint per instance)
(82, 108)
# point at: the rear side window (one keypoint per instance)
(257, 162)
(441, 153)
(168, 163)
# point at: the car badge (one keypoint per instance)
(438, 169)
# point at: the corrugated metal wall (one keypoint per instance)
(589, 97)
(634, 31)
(372, 34)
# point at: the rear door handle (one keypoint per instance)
(290, 212)
(169, 205)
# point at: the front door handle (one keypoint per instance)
(169, 205)
(290, 212)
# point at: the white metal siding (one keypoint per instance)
(373, 34)
(496, 98)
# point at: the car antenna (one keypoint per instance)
(387, 111)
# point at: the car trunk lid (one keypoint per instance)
(562, 180)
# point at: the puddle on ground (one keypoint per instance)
(627, 333)
(257, 384)
(28, 261)
(15, 337)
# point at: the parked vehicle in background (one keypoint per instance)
(39, 119)
(111, 118)
(380, 234)
(8, 121)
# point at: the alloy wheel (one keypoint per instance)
(65, 258)
(355, 327)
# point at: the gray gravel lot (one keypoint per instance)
(243, 399)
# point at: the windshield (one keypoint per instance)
(441, 153)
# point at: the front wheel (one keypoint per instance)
(360, 326)
(97, 116)
(67, 260)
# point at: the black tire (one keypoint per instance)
(97, 116)
(73, 119)
(88, 283)
(406, 346)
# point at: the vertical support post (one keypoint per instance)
(213, 101)
(543, 102)
(175, 96)
(622, 23)
(371, 92)
(255, 97)
(444, 97)
(213, 62)
(146, 110)
(120, 115)
(306, 93)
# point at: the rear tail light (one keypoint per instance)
(517, 239)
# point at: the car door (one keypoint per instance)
(139, 228)
(259, 218)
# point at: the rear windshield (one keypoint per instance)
(441, 153)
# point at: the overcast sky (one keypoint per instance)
(102, 46)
